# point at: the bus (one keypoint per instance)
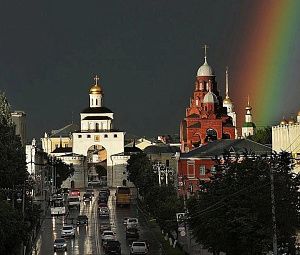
(123, 196)
(57, 206)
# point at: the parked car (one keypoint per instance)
(74, 193)
(132, 223)
(139, 248)
(82, 220)
(87, 197)
(68, 231)
(112, 247)
(132, 233)
(107, 235)
(103, 212)
(60, 245)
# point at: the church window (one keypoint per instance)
(92, 101)
(105, 136)
(88, 136)
(97, 127)
(202, 170)
(79, 136)
(96, 101)
(197, 101)
(115, 135)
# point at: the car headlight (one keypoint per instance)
(55, 245)
(65, 244)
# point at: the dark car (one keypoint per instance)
(132, 233)
(82, 220)
(105, 190)
(113, 247)
(102, 200)
(60, 244)
(87, 197)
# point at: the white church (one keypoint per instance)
(97, 142)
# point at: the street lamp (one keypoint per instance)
(162, 171)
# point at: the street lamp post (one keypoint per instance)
(162, 170)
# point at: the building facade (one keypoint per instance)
(19, 119)
(206, 118)
(249, 127)
(286, 137)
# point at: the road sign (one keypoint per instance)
(180, 217)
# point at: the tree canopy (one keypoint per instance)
(13, 161)
(263, 136)
(232, 212)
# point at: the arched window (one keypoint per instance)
(96, 101)
(97, 127)
(211, 135)
(92, 101)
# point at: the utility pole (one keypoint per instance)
(273, 212)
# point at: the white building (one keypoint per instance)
(97, 134)
(286, 137)
(249, 127)
(229, 104)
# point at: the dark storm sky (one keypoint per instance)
(146, 53)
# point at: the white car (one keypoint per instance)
(68, 231)
(108, 235)
(138, 248)
(132, 223)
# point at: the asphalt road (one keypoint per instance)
(88, 240)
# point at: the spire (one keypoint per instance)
(96, 78)
(248, 101)
(205, 53)
(227, 87)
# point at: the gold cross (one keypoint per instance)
(96, 79)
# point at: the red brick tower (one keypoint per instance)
(206, 118)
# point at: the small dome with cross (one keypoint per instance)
(96, 89)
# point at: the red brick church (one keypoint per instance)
(206, 119)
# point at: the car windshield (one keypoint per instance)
(61, 240)
(73, 199)
(139, 244)
(132, 220)
(67, 228)
(110, 233)
(89, 191)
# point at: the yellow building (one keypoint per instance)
(60, 138)
(286, 137)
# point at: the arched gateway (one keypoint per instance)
(97, 130)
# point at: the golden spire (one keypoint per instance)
(96, 89)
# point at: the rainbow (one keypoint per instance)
(265, 58)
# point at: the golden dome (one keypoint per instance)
(298, 113)
(227, 101)
(96, 89)
(283, 122)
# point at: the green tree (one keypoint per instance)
(63, 170)
(263, 136)
(232, 212)
(12, 229)
(12, 161)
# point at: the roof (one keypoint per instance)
(236, 146)
(161, 148)
(65, 131)
(97, 118)
(97, 110)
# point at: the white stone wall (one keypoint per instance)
(287, 138)
(116, 173)
(112, 144)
